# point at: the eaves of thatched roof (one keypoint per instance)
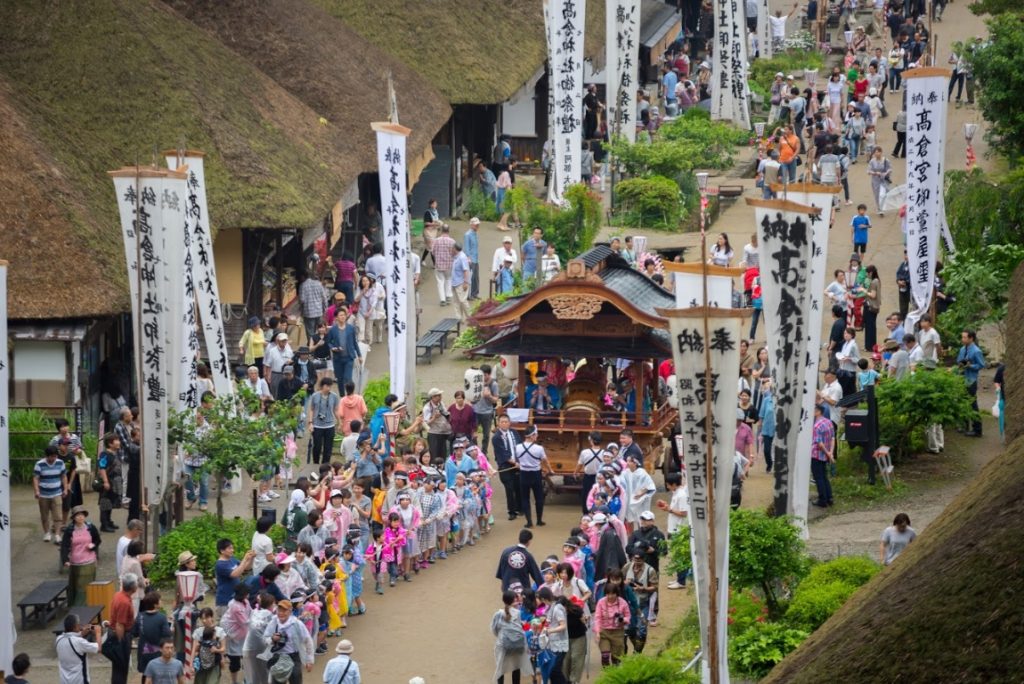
(473, 51)
(325, 64)
(62, 260)
(89, 87)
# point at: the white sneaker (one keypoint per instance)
(265, 498)
(273, 494)
(676, 585)
(47, 537)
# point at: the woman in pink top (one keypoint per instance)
(78, 549)
(611, 615)
(351, 407)
(345, 274)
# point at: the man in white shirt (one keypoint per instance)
(931, 343)
(503, 253)
(274, 359)
(132, 532)
(778, 26)
(914, 351)
(589, 462)
(73, 649)
(830, 394)
(678, 509)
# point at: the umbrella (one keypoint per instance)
(895, 197)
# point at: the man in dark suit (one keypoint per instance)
(344, 346)
(504, 441)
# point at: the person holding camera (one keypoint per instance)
(73, 648)
(970, 361)
(611, 615)
(788, 145)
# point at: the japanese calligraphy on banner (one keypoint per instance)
(729, 66)
(204, 271)
(621, 40)
(182, 341)
(785, 233)
(549, 34)
(764, 31)
(927, 98)
(566, 56)
(139, 195)
(395, 221)
(822, 196)
(7, 633)
(690, 346)
(689, 284)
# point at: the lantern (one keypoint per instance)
(391, 419)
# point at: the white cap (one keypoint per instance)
(647, 515)
(474, 221)
(599, 519)
(281, 336)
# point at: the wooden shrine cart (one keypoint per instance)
(600, 312)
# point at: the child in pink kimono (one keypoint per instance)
(375, 559)
(394, 545)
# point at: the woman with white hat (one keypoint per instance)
(439, 428)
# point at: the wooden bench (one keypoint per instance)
(430, 341)
(43, 602)
(87, 615)
(448, 326)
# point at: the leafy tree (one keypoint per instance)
(570, 228)
(980, 280)
(239, 436)
(907, 406)
(985, 209)
(999, 68)
(649, 202)
(765, 553)
(995, 6)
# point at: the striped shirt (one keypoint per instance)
(50, 478)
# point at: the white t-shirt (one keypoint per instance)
(750, 255)
(680, 502)
(778, 26)
(929, 341)
(834, 391)
(261, 546)
(591, 460)
(122, 548)
(916, 354)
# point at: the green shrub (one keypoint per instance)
(745, 609)
(814, 602)
(26, 449)
(762, 71)
(758, 649)
(649, 202)
(644, 669)
(827, 587)
(765, 553)
(571, 229)
(375, 391)
(480, 205)
(855, 570)
(906, 407)
(200, 536)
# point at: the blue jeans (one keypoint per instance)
(204, 484)
(499, 201)
(819, 471)
(342, 370)
(789, 171)
(854, 143)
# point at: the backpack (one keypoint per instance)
(207, 658)
(511, 636)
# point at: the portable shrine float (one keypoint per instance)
(594, 331)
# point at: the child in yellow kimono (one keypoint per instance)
(334, 591)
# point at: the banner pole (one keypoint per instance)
(709, 470)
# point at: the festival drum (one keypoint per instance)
(582, 395)
(473, 384)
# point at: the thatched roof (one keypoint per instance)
(326, 65)
(473, 51)
(61, 257)
(950, 609)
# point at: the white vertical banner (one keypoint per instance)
(729, 66)
(549, 35)
(692, 344)
(821, 196)
(204, 270)
(8, 633)
(927, 101)
(764, 29)
(689, 284)
(622, 28)
(139, 192)
(182, 341)
(567, 17)
(785, 234)
(395, 221)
